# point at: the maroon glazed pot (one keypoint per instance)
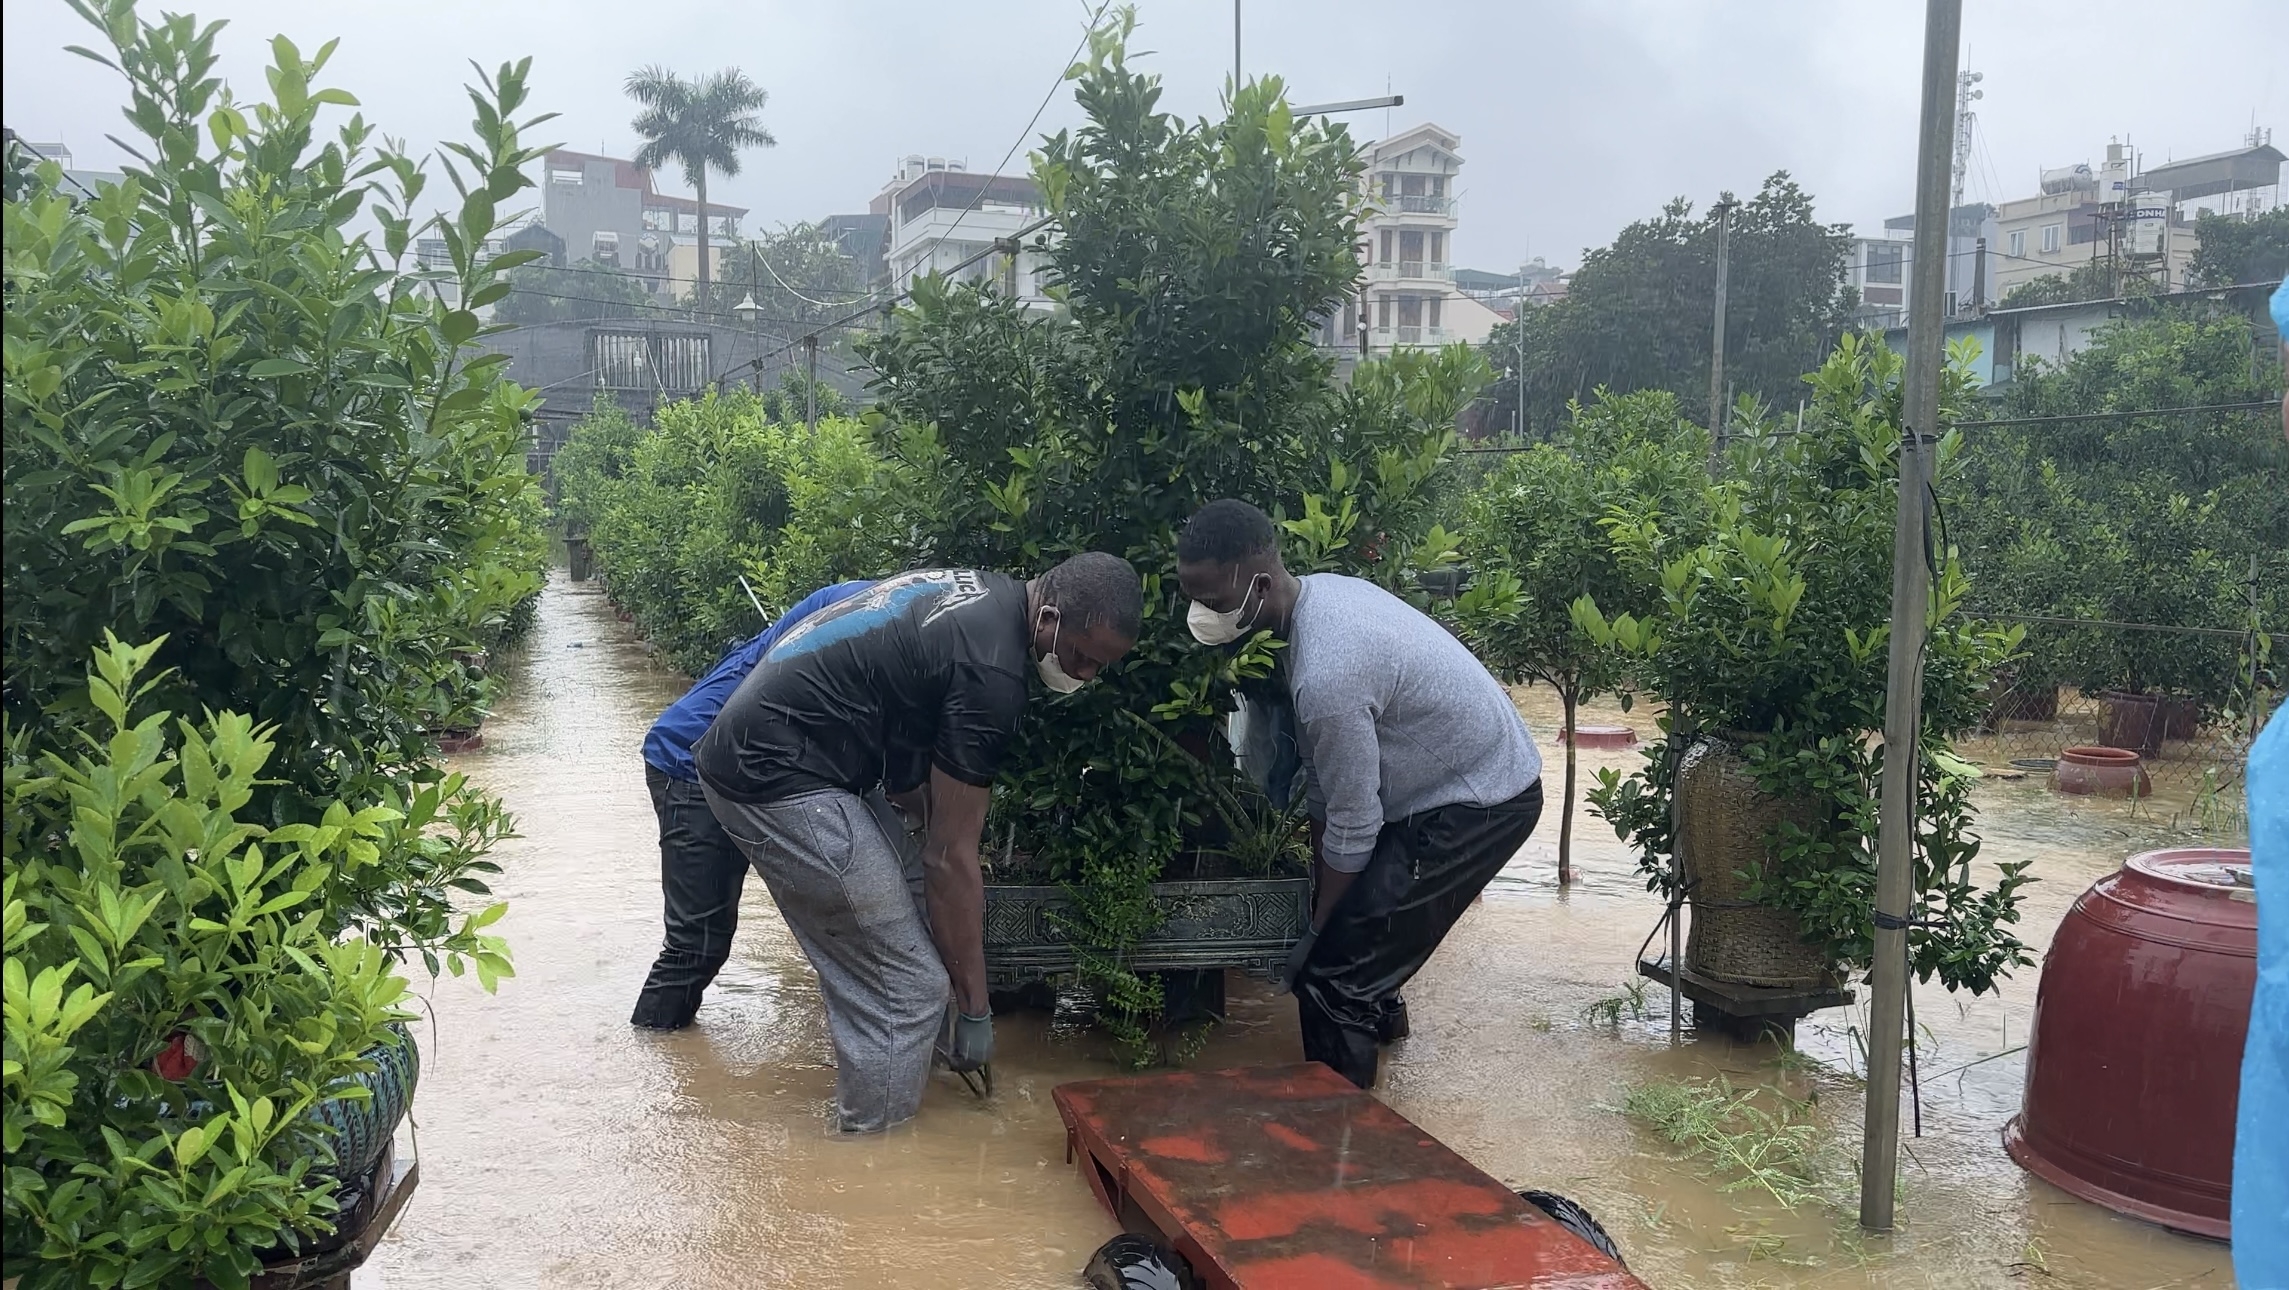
(2101, 772)
(1600, 737)
(2134, 1067)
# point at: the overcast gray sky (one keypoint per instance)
(1576, 116)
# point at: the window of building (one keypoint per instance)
(1431, 311)
(1386, 258)
(560, 175)
(1410, 311)
(2017, 243)
(1411, 185)
(1438, 248)
(606, 250)
(659, 219)
(1383, 312)
(1438, 185)
(2051, 238)
(1884, 263)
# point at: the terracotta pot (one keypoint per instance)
(1723, 821)
(1599, 737)
(2181, 718)
(2101, 772)
(458, 741)
(2007, 702)
(2143, 721)
(2134, 1063)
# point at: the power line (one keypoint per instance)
(2235, 633)
(2274, 402)
(683, 311)
(67, 176)
(605, 271)
(1094, 18)
(1996, 422)
(1043, 106)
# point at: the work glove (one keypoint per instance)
(1297, 957)
(972, 1045)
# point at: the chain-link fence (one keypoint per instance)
(2187, 742)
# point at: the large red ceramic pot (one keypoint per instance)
(2134, 1067)
(2105, 772)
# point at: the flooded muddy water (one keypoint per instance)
(560, 1147)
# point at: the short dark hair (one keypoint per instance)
(1226, 531)
(1094, 589)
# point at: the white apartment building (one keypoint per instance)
(940, 215)
(1408, 296)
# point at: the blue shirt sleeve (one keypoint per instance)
(668, 744)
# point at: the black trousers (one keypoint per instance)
(1425, 871)
(701, 873)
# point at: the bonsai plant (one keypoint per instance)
(1766, 644)
(1536, 533)
(1191, 262)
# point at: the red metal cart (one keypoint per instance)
(1289, 1178)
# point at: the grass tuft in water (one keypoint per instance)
(1753, 1139)
(1607, 1011)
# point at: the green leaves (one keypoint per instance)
(249, 474)
(1756, 605)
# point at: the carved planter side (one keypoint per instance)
(1245, 923)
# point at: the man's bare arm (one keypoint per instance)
(953, 886)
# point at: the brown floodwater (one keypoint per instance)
(560, 1147)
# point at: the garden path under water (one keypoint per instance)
(559, 1147)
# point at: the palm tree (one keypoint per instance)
(702, 125)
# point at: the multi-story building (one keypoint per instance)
(2136, 222)
(942, 218)
(1408, 295)
(1881, 267)
(606, 210)
(1535, 283)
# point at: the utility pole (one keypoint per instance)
(1518, 333)
(811, 381)
(1911, 592)
(1724, 213)
(1235, 53)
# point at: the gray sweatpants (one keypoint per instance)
(847, 877)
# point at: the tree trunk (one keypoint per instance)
(701, 301)
(1571, 699)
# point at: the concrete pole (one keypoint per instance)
(1518, 333)
(1724, 214)
(811, 382)
(1911, 591)
(1235, 53)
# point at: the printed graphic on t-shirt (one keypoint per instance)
(877, 606)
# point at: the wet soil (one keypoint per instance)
(559, 1147)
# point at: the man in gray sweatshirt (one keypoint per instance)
(1420, 777)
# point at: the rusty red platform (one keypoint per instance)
(1289, 1178)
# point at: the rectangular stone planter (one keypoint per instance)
(1245, 923)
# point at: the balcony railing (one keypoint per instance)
(1425, 205)
(1412, 270)
(1389, 336)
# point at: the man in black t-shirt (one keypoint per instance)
(899, 702)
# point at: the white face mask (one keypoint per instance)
(1212, 628)
(1052, 672)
